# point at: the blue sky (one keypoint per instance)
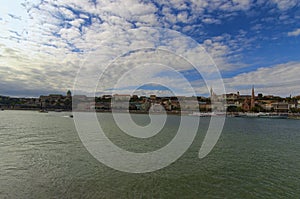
(43, 44)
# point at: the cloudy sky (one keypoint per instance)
(44, 45)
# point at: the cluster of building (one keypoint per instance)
(233, 102)
(136, 103)
(50, 102)
(260, 103)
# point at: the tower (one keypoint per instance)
(252, 98)
(69, 94)
(212, 93)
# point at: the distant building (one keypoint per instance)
(280, 107)
(152, 97)
(246, 106)
(249, 101)
(268, 107)
(157, 108)
(120, 102)
(218, 102)
(54, 101)
(232, 96)
(118, 97)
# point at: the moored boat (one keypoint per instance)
(250, 115)
(274, 115)
(207, 114)
(265, 115)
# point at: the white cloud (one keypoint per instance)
(77, 22)
(285, 4)
(294, 33)
(221, 53)
(211, 21)
(48, 41)
(234, 5)
(69, 33)
(26, 72)
(67, 14)
(183, 17)
(175, 45)
(280, 80)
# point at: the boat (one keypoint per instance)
(42, 109)
(265, 115)
(199, 114)
(207, 114)
(274, 115)
(250, 115)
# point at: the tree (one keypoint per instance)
(232, 109)
(256, 109)
(295, 110)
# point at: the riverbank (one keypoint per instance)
(294, 116)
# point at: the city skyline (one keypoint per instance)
(43, 43)
(249, 93)
(230, 102)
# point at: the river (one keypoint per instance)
(41, 156)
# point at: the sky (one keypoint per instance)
(147, 46)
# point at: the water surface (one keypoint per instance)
(43, 157)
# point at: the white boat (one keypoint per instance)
(252, 115)
(265, 115)
(207, 114)
(274, 115)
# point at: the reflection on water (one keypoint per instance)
(42, 157)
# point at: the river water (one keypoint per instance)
(41, 156)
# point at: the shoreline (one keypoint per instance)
(178, 113)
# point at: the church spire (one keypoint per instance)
(253, 98)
